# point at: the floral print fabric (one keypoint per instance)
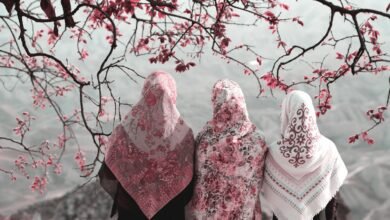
(151, 151)
(229, 160)
(304, 169)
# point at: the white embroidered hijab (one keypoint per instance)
(303, 170)
(151, 151)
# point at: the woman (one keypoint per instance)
(149, 163)
(229, 160)
(303, 170)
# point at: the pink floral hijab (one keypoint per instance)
(151, 151)
(229, 160)
(303, 170)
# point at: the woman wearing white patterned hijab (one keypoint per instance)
(303, 170)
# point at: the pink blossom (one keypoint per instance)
(12, 177)
(324, 98)
(284, 6)
(103, 140)
(45, 145)
(352, 139)
(39, 98)
(21, 164)
(23, 125)
(299, 21)
(61, 140)
(259, 60)
(247, 71)
(49, 160)
(270, 15)
(39, 184)
(83, 54)
(101, 113)
(281, 43)
(57, 168)
(181, 66)
(273, 82)
(37, 35)
(366, 138)
(7, 61)
(378, 114)
(61, 90)
(348, 7)
(142, 45)
(339, 56)
(53, 36)
(377, 49)
(80, 160)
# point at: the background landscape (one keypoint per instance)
(366, 191)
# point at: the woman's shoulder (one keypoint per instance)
(258, 136)
(327, 141)
(206, 130)
(118, 131)
(183, 124)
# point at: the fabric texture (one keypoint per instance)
(230, 154)
(174, 209)
(127, 208)
(303, 170)
(151, 151)
(329, 213)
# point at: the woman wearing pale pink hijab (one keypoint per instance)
(149, 163)
(229, 160)
(303, 170)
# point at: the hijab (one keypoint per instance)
(229, 160)
(151, 151)
(303, 170)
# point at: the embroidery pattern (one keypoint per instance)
(303, 170)
(302, 132)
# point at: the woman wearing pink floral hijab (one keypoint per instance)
(149, 163)
(303, 170)
(229, 160)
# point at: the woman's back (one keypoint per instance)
(303, 170)
(151, 152)
(230, 156)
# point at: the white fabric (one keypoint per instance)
(304, 169)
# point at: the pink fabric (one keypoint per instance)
(303, 170)
(151, 151)
(230, 157)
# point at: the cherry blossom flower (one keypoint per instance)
(39, 184)
(80, 160)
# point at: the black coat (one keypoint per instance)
(127, 208)
(330, 211)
